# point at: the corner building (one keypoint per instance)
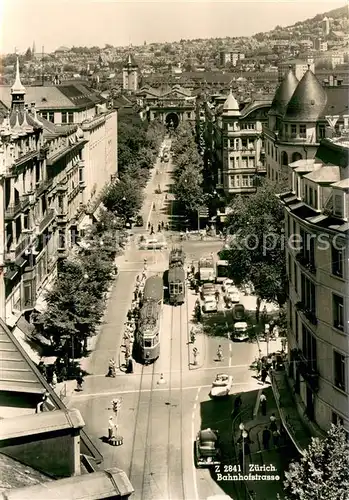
(301, 115)
(316, 219)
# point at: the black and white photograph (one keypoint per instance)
(174, 252)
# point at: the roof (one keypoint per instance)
(17, 87)
(176, 273)
(343, 184)
(153, 288)
(109, 483)
(337, 101)
(208, 435)
(307, 101)
(333, 153)
(324, 174)
(14, 474)
(130, 61)
(283, 94)
(33, 424)
(231, 106)
(252, 106)
(16, 374)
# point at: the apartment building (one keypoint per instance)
(232, 142)
(51, 178)
(301, 114)
(298, 66)
(316, 225)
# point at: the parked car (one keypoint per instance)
(210, 304)
(240, 331)
(221, 386)
(207, 451)
(238, 312)
(227, 283)
(207, 289)
(139, 221)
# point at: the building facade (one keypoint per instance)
(172, 105)
(301, 114)
(298, 66)
(316, 225)
(232, 143)
(51, 180)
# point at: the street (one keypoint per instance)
(163, 405)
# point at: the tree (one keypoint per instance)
(188, 190)
(28, 54)
(256, 249)
(123, 198)
(323, 471)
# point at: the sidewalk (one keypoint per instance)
(277, 456)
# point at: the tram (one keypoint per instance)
(148, 328)
(176, 285)
(177, 257)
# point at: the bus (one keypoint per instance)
(221, 270)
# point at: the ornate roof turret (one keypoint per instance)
(283, 94)
(17, 87)
(231, 106)
(308, 100)
(130, 62)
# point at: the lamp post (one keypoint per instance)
(244, 435)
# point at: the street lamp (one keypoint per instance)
(244, 435)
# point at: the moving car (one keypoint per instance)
(153, 244)
(232, 295)
(139, 221)
(221, 386)
(207, 290)
(207, 450)
(238, 312)
(240, 331)
(210, 304)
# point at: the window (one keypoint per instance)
(147, 343)
(309, 347)
(302, 130)
(308, 294)
(293, 130)
(336, 419)
(286, 128)
(337, 256)
(70, 117)
(44, 114)
(338, 312)
(245, 180)
(64, 117)
(290, 314)
(244, 142)
(322, 131)
(289, 268)
(243, 162)
(308, 247)
(51, 116)
(296, 330)
(338, 205)
(339, 370)
(251, 162)
(188, 115)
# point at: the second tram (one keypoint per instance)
(176, 285)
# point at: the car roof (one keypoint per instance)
(208, 285)
(208, 435)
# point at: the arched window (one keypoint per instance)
(296, 156)
(284, 158)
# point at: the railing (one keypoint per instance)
(305, 262)
(41, 186)
(22, 245)
(51, 213)
(306, 370)
(13, 209)
(301, 138)
(308, 313)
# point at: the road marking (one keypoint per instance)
(194, 406)
(110, 393)
(230, 353)
(197, 396)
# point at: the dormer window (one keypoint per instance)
(338, 208)
(293, 130)
(302, 131)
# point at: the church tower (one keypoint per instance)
(17, 92)
(130, 75)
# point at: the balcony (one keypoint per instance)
(305, 262)
(306, 370)
(61, 215)
(42, 185)
(43, 151)
(12, 210)
(308, 313)
(23, 244)
(47, 219)
(298, 138)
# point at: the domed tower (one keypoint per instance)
(231, 142)
(130, 75)
(281, 99)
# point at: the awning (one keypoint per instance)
(12, 318)
(10, 274)
(85, 222)
(40, 304)
(99, 211)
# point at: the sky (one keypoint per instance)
(53, 23)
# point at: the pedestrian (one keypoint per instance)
(151, 229)
(273, 426)
(264, 374)
(63, 373)
(129, 315)
(42, 368)
(258, 305)
(266, 438)
(140, 295)
(263, 403)
(162, 224)
(111, 429)
(149, 225)
(283, 344)
(79, 382)
(283, 434)
(276, 437)
(192, 336)
(259, 367)
(273, 361)
(54, 380)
